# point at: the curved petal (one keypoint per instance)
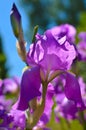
(72, 89)
(30, 85)
(63, 29)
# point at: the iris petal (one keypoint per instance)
(30, 85)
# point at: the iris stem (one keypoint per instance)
(62, 124)
(34, 118)
(82, 119)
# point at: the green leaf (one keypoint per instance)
(34, 33)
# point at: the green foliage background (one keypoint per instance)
(3, 68)
(47, 13)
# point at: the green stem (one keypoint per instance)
(33, 118)
(82, 119)
(28, 129)
(62, 124)
(68, 124)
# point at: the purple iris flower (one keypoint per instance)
(51, 53)
(5, 104)
(66, 106)
(81, 46)
(82, 36)
(10, 85)
(66, 109)
(5, 120)
(19, 119)
(10, 119)
(13, 120)
(68, 85)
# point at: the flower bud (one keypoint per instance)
(15, 21)
(18, 32)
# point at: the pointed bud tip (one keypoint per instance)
(15, 12)
(13, 8)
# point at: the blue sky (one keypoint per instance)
(9, 41)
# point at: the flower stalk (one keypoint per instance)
(38, 111)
